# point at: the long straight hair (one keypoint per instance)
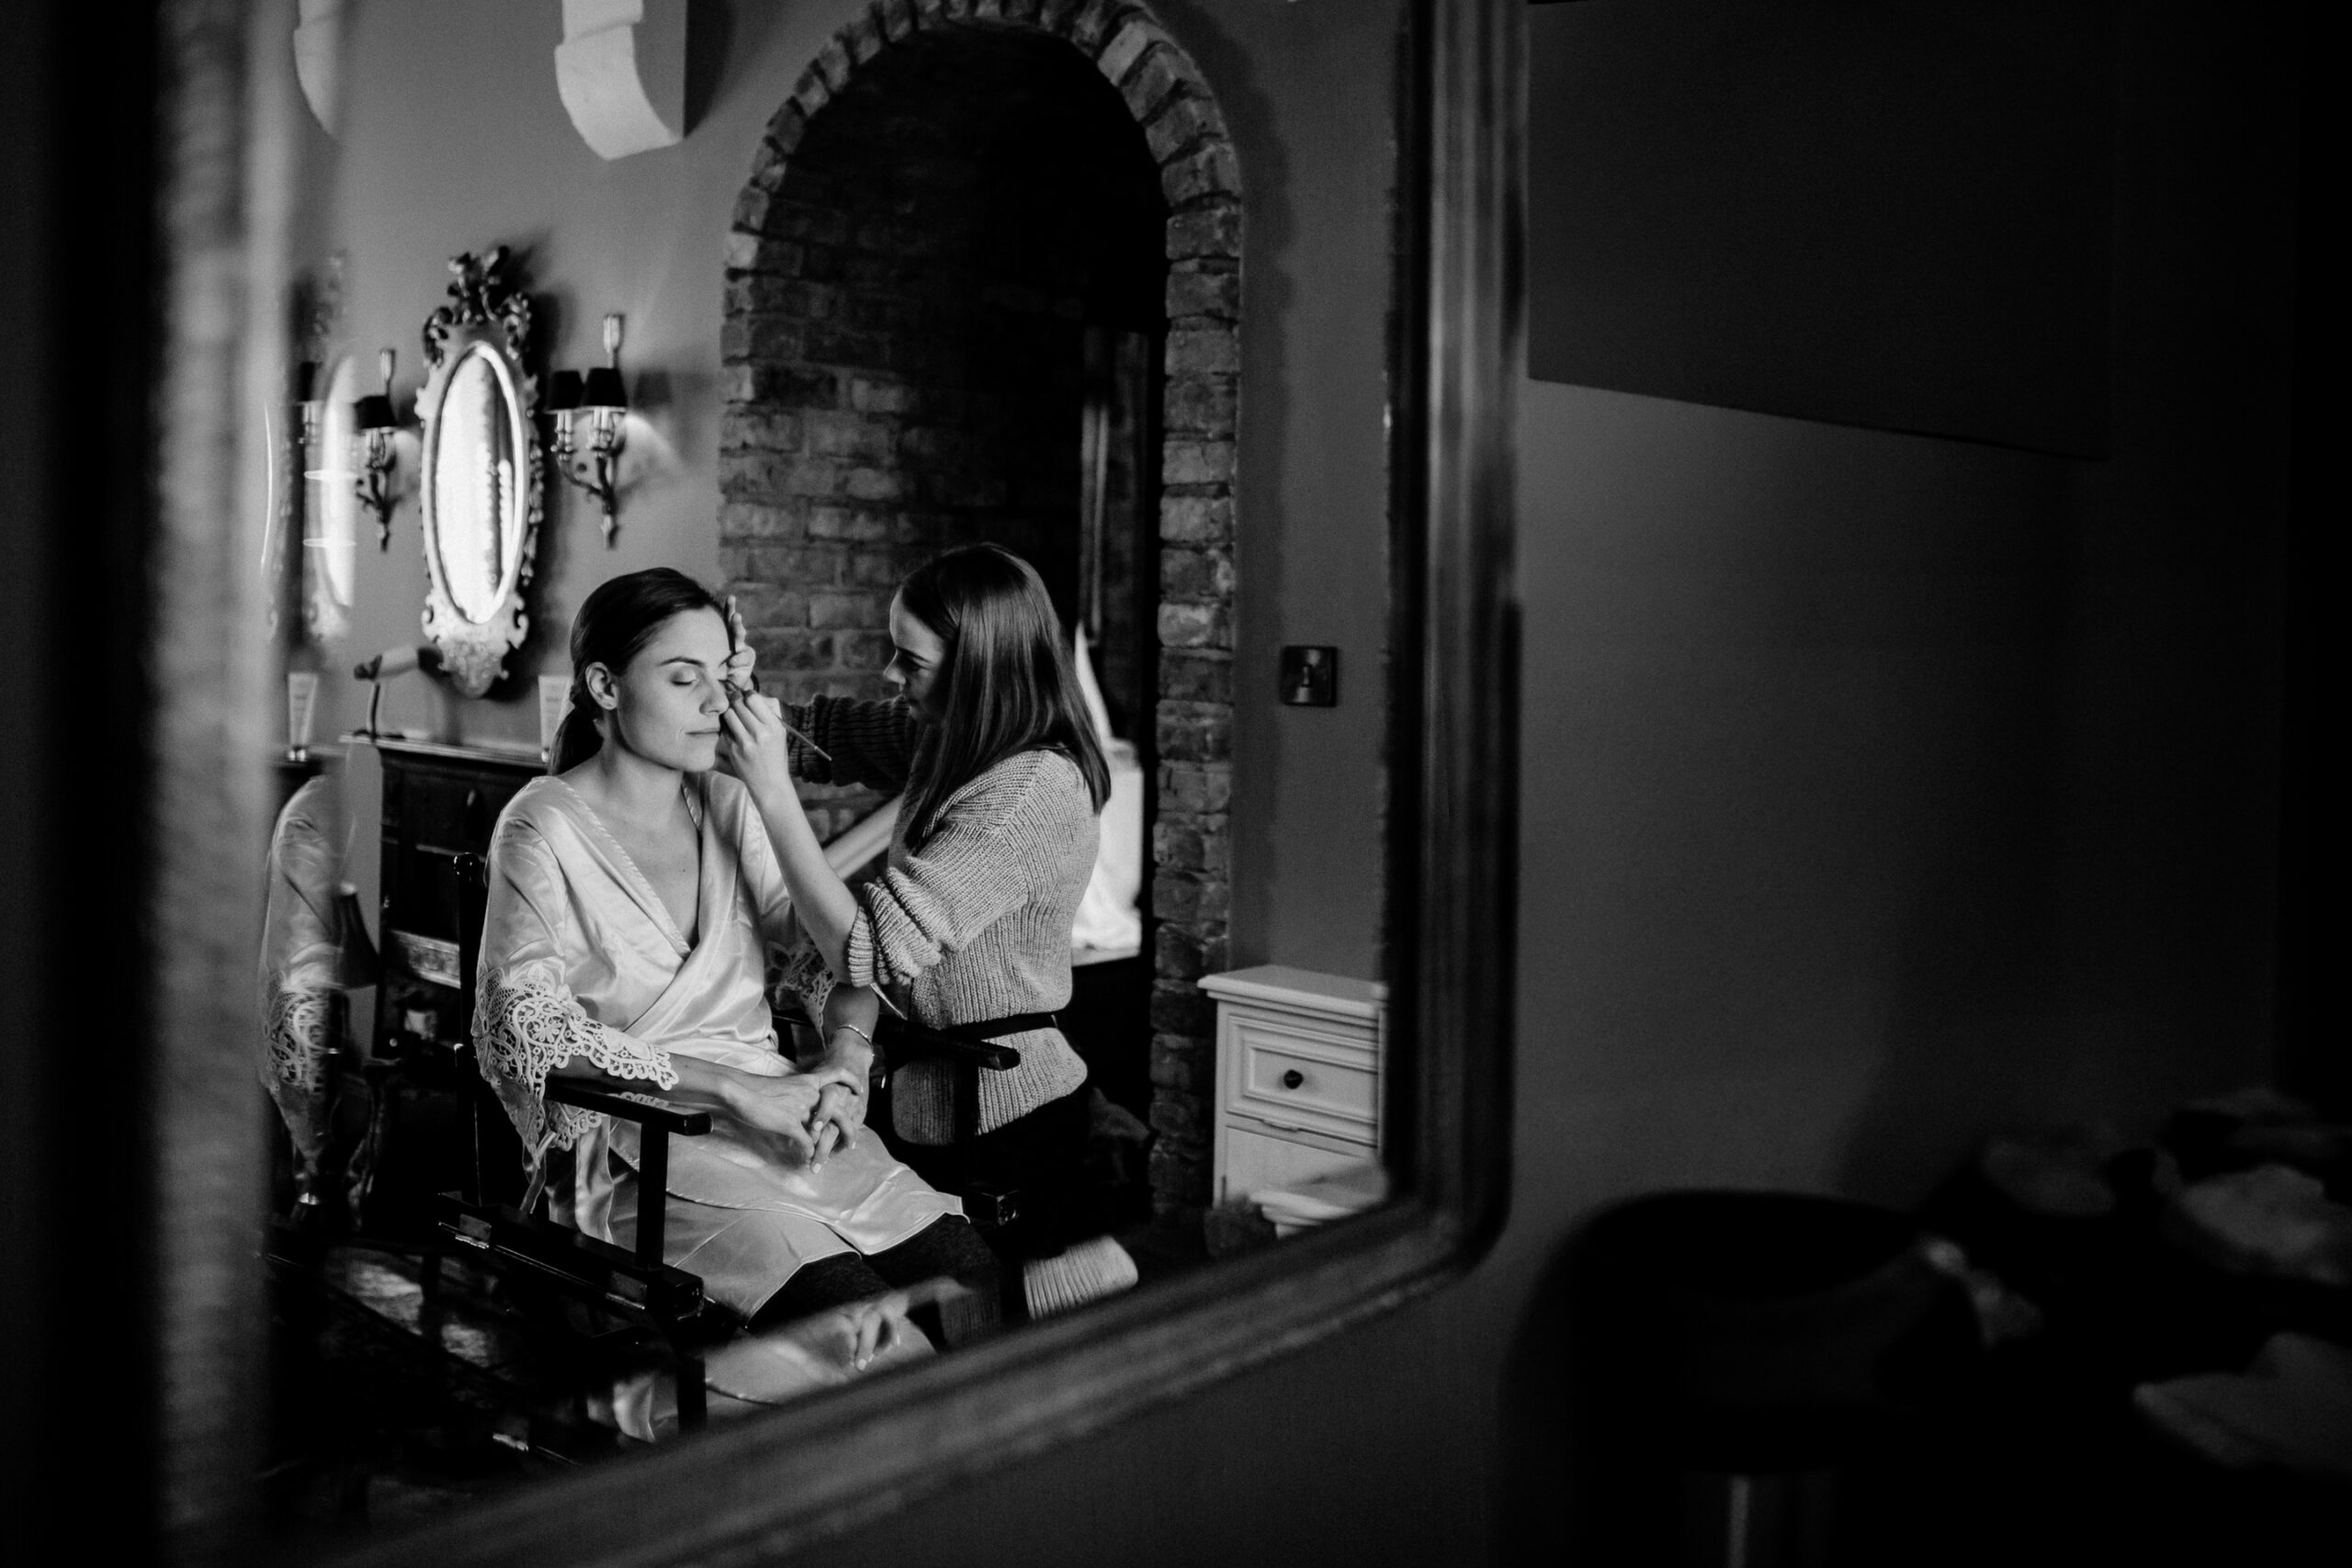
(1009, 685)
(613, 626)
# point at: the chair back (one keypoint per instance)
(473, 903)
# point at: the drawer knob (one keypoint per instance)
(1293, 1079)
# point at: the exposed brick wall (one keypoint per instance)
(949, 195)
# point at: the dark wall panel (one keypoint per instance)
(1884, 215)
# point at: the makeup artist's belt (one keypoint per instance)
(971, 1047)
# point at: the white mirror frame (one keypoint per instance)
(488, 313)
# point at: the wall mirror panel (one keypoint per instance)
(331, 507)
(652, 1109)
(475, 454)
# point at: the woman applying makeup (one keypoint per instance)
(968, 929)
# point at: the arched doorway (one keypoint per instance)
(984, 284)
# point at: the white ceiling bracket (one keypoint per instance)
(318, 58)
(621, 70)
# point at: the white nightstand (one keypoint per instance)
(1299, 1075)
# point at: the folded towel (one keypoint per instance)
(2269, 1220)
(2291, 1408)
(1350, 1189)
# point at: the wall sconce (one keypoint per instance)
(601, 397)
(306, 401)
(373, 426)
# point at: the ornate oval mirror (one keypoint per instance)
(479, 481)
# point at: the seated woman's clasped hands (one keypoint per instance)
(810, 1113)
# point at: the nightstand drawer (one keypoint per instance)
(1255, 1160)
(1288, 1074)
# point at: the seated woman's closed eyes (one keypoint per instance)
(633, 905)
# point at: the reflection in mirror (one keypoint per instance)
(330, 509)
(865, 965)
(474, 459)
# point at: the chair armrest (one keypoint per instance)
(629, 1106)
(653, 1150)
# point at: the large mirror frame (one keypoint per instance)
(487, 322)
(867, 1449)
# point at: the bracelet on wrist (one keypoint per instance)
(856, 1030)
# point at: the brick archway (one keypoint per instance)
(800, 496)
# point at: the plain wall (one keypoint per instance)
(454, 140)
(1893, 216)
(1877, 790)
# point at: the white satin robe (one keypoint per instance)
(300, 963)
(580, 958)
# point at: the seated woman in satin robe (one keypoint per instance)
(301, 977)
(634, 901)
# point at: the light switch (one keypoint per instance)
(1310, 676)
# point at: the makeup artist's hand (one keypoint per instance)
(740, 656)
(756, 746)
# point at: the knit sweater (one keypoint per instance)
(975, 922)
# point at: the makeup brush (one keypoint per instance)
(736, 694)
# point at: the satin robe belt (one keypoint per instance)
(869, 1199)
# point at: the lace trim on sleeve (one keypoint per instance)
(523, 1032)
(301, 1036)
(799, 976)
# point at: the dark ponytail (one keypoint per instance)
(577, 738)
(616, 622)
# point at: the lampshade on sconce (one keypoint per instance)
(602, 392)
(563, 391)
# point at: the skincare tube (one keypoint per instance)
(302, 705)
(555, 700)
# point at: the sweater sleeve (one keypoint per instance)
(871, 743)
(971, 871)
(527, 1021)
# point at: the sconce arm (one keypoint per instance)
(595, 472)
